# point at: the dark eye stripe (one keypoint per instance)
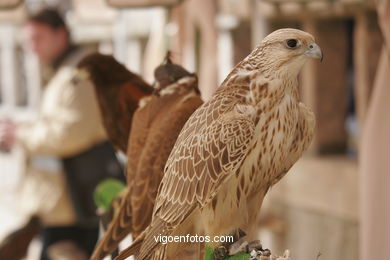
(291, 43)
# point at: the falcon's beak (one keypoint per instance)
(314, 51)
(80, 75)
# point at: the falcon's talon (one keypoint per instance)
(266, 252)
(238, 247)
(254, 245)
(253, 254)
(238, 244)
(240, 233)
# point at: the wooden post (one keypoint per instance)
(199, 15)
(8, 58)
(120, 37)
(182, 41)
(367, 42)
(324, 85)
(205, 12)
(361, 54)
(225, 55)
(260, 27)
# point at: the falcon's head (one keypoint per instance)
(284, 51)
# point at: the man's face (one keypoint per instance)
(46, 42)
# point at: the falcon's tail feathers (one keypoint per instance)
(118, 229)
(133, 249)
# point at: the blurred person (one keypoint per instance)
(66, 146)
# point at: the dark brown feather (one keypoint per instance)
(118, 92)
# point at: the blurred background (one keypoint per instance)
(315, 208)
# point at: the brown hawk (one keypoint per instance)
(118, 92)
(156, 125)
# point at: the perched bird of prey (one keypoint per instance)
(155, 128)
(234, 148)
(118, 92)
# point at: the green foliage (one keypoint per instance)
(106, 191)
(209, 255)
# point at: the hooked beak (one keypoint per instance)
(80, 75)
(314, 51)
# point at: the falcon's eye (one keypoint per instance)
(292, 43)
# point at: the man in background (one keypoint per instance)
(68, 128)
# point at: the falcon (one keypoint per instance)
(234, 148)
(118, 92)
(155, 127)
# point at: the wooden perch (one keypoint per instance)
(242, 250)
(286, 256)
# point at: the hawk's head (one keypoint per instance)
(103, 70)
(285, 51)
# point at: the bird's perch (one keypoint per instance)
(286, 256)
(245, 253)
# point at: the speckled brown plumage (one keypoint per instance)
(234, 148)
(155, 127)
(118, 92)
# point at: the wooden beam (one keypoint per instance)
(324, 85)
(361, 65)
(320, 9)
(368, 40)
(259, 24)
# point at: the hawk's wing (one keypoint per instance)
(154, 131)
(161, 138)
(211, 147)
(122, 224)
(117, 108)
